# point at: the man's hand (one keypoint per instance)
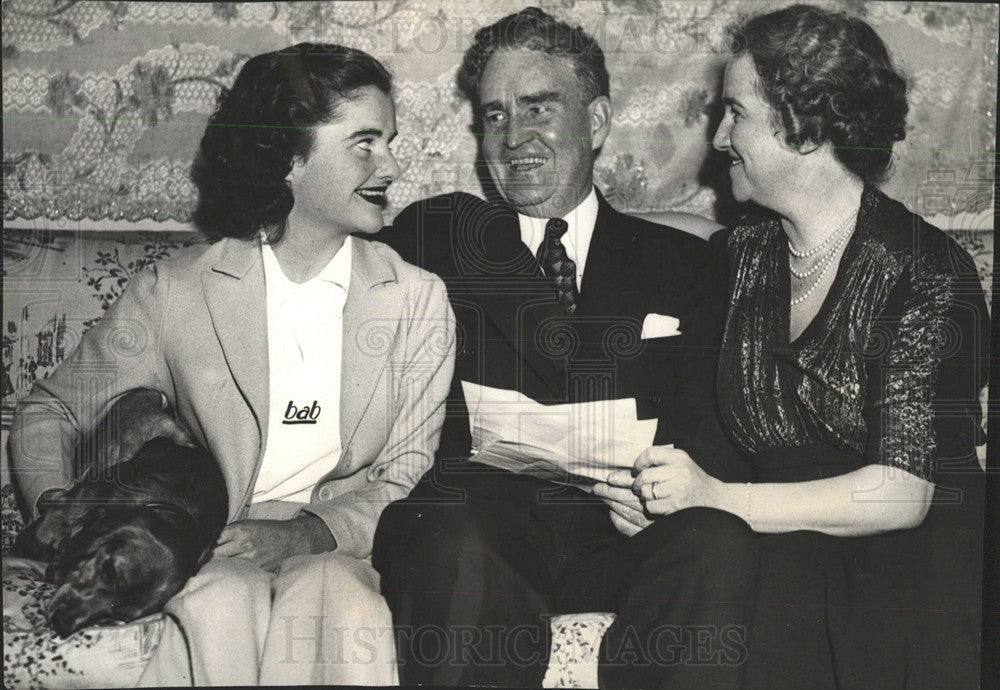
(627, 513)
(269, 542)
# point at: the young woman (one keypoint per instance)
(311, 362)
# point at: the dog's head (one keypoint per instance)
(122, 564)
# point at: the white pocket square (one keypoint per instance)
(659, 326)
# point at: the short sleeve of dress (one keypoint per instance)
(927, 361)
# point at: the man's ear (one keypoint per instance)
(600, 111)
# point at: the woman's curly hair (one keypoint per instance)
(262, 124)
(828, 77)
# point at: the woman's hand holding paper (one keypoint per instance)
(666, 479)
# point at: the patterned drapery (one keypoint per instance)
(104, 102)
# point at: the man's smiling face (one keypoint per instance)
(539, 132)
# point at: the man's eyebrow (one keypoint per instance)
(539, 97)
(492, 105)
(526, 99)
(730, 101)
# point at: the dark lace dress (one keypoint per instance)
(887, 373)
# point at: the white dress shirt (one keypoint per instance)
(581, 221)
(304, 339)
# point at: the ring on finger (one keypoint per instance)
(652, 490)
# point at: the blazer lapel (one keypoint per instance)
(234, 291)
(371, 321)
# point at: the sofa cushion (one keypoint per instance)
(10, 518)
(97, 657)
(576, 641)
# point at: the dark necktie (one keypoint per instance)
(557, 265)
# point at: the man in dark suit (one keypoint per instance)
(563, 299)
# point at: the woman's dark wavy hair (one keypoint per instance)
(262, 124)
(828, 77)
(534, 29)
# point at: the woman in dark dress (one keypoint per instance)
(854, 353)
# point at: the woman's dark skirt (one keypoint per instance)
(896, 610)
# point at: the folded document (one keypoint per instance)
(577, 443)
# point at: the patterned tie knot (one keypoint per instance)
(554, 230)
(557, 265)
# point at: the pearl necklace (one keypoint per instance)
(802, 275)
(826, 261)
(833, 235)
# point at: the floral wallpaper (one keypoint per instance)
(104, 102)
(57, 284)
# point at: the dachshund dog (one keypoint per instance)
(135, 418)
(123, 540)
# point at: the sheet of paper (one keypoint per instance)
(576, 443)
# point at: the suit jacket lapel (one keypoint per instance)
(611, 251)
(518, 313)
(371, 321)
(234, 291)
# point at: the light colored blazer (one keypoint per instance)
(195, 328)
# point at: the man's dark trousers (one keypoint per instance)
(475, 560)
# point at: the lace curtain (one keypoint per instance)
(104, 102)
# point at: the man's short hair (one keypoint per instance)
(534, 29)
